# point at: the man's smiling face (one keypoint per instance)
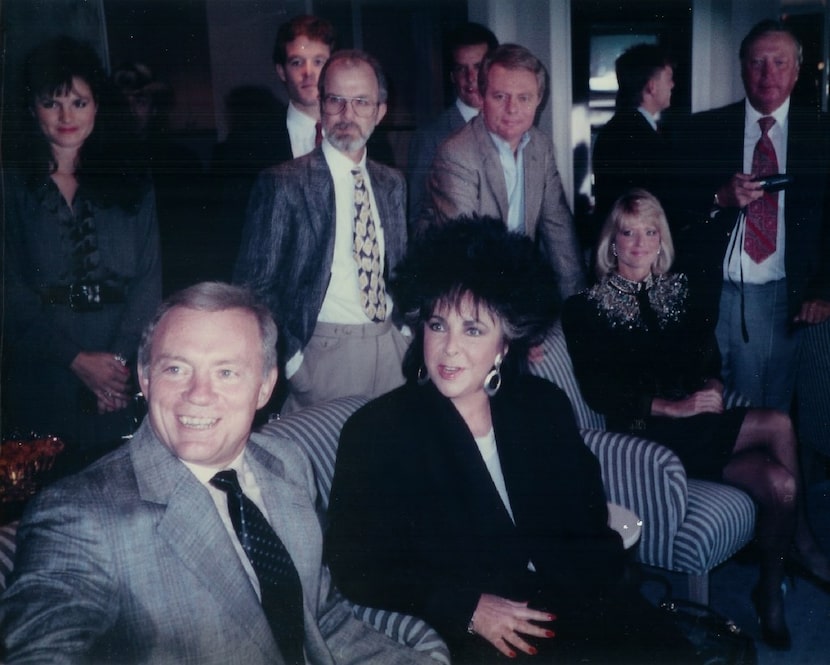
(204, 383)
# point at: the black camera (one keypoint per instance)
(774, 183)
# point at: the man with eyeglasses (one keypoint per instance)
(322, 234)
(500, 165)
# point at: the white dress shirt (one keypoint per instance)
(302, 131)
(341, 303)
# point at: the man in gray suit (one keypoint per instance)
(466, 47)
(500, 165)
(137, 558)
(322, 234)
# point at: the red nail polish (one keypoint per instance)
(532, 651)
(549, 633)
(512, 654)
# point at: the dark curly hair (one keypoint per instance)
(501, 271)
(108, 164)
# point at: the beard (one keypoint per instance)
(342, 136)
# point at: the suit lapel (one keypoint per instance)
(319, 195)
(194, 532)
(518, 461)
(292, 515)
(453, 438)
(493, 172)
(534, 176)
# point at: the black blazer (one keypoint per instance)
(629, 153)
(416, 524)
(712, 150)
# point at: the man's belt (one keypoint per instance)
(87, 297)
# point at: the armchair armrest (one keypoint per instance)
(732, 399)
(649, 479)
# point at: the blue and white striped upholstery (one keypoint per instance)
(7, 547)
(316, 430)
(689, 526)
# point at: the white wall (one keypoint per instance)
(718, 26)
(544, 27)
(241, 37)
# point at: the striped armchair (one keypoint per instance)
(689, 525)
(317, 431)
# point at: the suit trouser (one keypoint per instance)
(342, 359)
(762, 368)
(813, 388)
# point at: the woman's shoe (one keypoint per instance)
(774, 631)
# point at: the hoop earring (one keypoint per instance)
(422, 378)
(492, 382)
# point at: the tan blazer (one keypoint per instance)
(467, 179)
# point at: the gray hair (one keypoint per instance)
(640, 205)
(766, 27)
(214, 297)
(352, 57)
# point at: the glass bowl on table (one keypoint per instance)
(24, 464)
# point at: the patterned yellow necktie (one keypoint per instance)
(367, 253)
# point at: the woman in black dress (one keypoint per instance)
(647, 359)
(467, 496)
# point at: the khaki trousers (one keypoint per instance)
(341, 360)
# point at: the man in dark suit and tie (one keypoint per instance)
(629, 150)
(152, 555)
(763, 254)
(465, 49)
(265, 132)
(322, 234)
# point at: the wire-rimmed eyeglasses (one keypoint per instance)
(362, 107)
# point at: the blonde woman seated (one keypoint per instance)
(648, 361)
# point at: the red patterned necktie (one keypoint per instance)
(762, 215)
(367, 253)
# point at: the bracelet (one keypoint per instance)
(471, 627)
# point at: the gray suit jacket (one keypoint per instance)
(467, 179)
(288, 239)
(129, 562)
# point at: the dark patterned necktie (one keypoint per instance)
(318, 134)
(367, 253)
(762, 215)
(280, 589)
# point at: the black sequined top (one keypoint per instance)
(633, 341)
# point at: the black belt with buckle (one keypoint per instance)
(88, 297)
